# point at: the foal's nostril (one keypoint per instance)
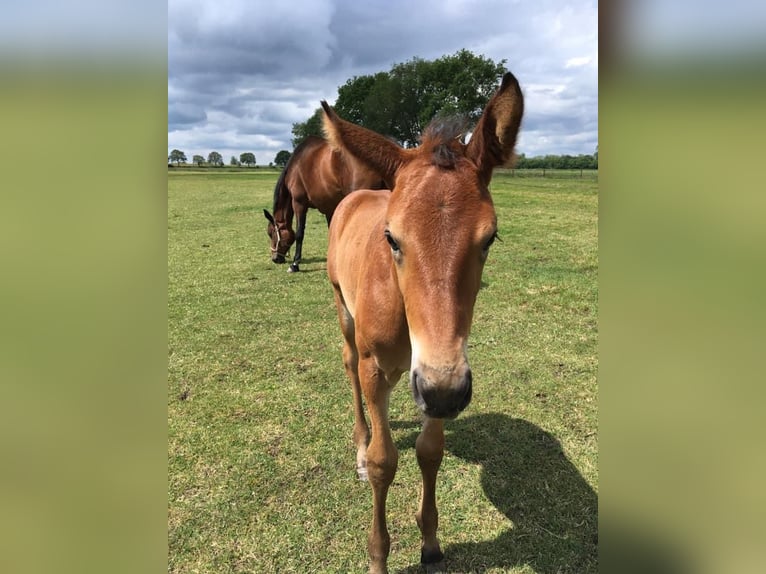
(417, 391)
(468, 391)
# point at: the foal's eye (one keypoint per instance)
(488, 243)
(391, 241)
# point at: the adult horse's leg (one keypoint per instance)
(300, 221)
(429, 448)
(351, 363)
(382, 460)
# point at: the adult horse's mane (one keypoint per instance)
(278, 187)
(282, 198)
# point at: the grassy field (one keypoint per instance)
(261, 464)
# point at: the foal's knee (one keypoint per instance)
(381, 469)
(429, 451)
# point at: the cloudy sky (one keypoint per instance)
(241, 72)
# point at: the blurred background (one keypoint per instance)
(682, 275)
(82, 290)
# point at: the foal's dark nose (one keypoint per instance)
(278, 258)
(439, 396)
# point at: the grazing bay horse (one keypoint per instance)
(315, 176)
(406, 267)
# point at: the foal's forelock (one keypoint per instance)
(443, 140)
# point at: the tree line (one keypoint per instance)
(582, 161)
(216, 160)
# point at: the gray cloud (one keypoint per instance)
(240, 73)
(184, 114)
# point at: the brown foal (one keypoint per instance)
(406, 267)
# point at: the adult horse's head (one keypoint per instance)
(281, 237)
(439, 226)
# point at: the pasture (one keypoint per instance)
(260, 459)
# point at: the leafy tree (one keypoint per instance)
(352, 103)
(401, 102)
(177, 156)
(247, 158)
(198, 159)
(214, 158)
(311, 127)
(283, 156)
(234, 161)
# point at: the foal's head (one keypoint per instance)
(439, 226)
(281, 237)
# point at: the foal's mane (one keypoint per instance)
(442, 138)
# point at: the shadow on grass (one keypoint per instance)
(313, 260)
(302, 265)
(528, 478)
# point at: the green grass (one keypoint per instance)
(261, 464)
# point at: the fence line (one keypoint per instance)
(554, 173)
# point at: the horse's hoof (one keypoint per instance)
(435, 568)
(361, 473)
(293, 268)
(433, 561)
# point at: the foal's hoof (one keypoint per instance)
(293, 268)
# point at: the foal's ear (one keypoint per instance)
(369, 147)
(268, 216)
(494, 138)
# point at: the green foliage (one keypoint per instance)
(401, 102)
(582, 161)
(261, 473)
(214, 158)
(283, 156)
(247, 158)
(368, 101)
(311, 127)
(177, 156)
(234, 161)
(198, 159)
(352, 102)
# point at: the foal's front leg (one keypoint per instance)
(429, 448)
(382, 460)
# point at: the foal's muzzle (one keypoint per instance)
(441, 396)
(278, 258)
